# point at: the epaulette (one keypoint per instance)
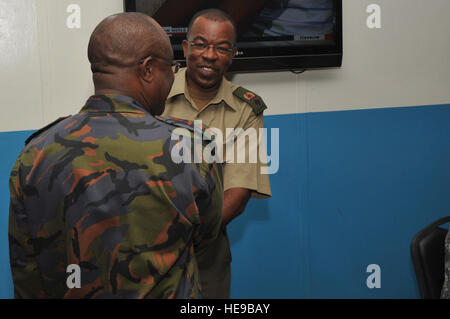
(176, 121)
(38, 132)
(255, 101)
(206, 132)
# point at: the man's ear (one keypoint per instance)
(234, 52)
(185, 48)
(146, 69)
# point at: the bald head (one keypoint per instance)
(131, 55)
(120, 40)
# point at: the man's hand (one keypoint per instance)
(234, 202)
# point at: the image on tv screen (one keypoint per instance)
(259, 22)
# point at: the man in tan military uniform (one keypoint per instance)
(201, 92)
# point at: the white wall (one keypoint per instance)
(44, 68)
(45, 72)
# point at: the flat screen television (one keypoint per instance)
(272, 34)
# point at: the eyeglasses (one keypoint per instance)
(174, 64)
(201, 47)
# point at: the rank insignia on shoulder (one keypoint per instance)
(192, 126)
(255, 101)
(45, 128)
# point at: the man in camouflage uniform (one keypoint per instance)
(201, 92)
(100, 190)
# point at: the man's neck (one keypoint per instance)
(108, 91)
(200, 96)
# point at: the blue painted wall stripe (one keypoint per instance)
(11, 144)
(352, 190)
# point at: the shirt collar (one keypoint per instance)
(225, 92)
(113, 103)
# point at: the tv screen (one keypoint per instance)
(272, 34)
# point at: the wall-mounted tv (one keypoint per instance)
(272, 34)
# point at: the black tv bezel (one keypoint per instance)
(303, 57)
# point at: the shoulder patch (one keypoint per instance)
(45, 128)
(187, 124)
(254, 100)
(176, 122)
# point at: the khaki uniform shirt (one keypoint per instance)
(225, 110)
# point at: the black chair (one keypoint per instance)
(427, 252)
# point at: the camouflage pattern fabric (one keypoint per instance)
(99, 189)
(445, 294)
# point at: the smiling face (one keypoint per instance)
(205, 68)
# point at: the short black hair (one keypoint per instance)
(122, 39)
(213, 15)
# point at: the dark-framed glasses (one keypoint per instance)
(174, 64)
(201, 47)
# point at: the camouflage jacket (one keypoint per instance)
(99, 190)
